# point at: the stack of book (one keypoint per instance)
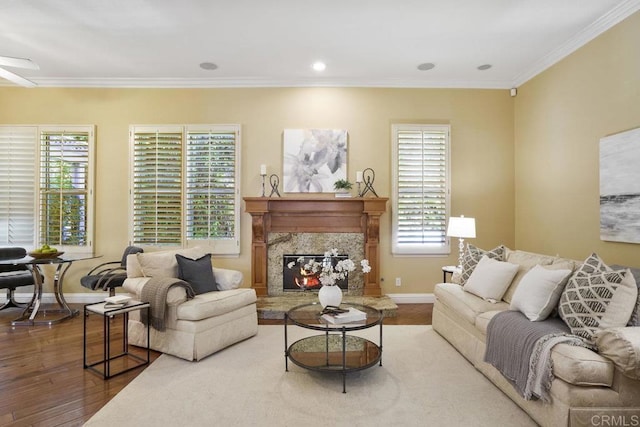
(352, 315)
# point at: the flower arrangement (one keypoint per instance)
(328, 273)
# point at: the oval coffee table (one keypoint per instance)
(335, 350)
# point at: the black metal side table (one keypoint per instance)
(448, 269)
(126, 360)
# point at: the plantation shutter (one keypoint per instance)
(157, 186)
(18, 145)
(65, 186)
(421, 189)
(212, 208)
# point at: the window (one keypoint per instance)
(66, 187)
(184, 187)
(49, 179)
(421, 178)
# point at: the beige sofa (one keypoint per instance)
(197, 327)
(583, 378)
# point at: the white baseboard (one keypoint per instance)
(49, 298)
(412, 298)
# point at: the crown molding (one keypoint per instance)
(262, 83)
(599, 26)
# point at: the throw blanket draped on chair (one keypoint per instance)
(155, 292)
(521, 350)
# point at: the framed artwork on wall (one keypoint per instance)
(620, 187)
(313, 159)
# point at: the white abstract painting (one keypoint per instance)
(620, 187)
(314, 159)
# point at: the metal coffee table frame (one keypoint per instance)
(328, 352)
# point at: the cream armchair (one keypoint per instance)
(197, 327)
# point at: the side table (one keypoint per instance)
(126, 360)
(448, 269)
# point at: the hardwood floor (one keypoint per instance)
(42, 380)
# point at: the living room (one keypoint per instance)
(524, 166)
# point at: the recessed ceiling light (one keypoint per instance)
(484, 67)
(426, 66)
(208, 66)
(319, 66)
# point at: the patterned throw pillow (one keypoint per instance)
(597, 297)
(473, 255)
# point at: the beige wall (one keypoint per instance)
(482, 150)
(560, 117)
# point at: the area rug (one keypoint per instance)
(423, 381)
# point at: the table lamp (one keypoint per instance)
(461, 228)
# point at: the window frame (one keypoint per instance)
(38, 131)
(419, 249)
(221, 247)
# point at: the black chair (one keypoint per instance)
(109, 275)
(13, 276)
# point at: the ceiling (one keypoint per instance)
(373, 43)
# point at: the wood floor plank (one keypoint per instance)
(42, 380)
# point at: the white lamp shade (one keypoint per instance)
(462, 227)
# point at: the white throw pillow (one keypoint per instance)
(490, 279)
(539, 292)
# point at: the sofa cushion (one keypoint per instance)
(213, 304)
(539, 292)
(473, 255)
(599, 300)
(622, 346)
(197, 272)
(526, 261)
(490, 279)
(581, 366)
(635, 317)
(464, 303)
(164, 263)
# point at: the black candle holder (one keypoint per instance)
(274, 180)
(369, 176)
(263, 177)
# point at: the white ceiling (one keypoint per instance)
(378, 43)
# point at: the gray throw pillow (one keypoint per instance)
(198, 273)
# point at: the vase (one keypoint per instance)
(330, 295)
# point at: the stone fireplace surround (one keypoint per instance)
(308, 221)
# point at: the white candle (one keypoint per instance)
(263, 169)
(359, 176)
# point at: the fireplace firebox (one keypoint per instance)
(297, 278)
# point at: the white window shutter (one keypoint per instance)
(211, 187)
(18, 145)
(421, 189)
(156, 186)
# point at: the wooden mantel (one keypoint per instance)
(315, 215)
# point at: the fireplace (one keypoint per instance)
(296, 276)
(350, 225)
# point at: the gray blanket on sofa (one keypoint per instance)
(521, 350)
(155, 292)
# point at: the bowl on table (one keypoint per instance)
(45, 255)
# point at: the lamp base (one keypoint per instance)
(460, 252)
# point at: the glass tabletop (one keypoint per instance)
(310, 316)
(55, 260)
